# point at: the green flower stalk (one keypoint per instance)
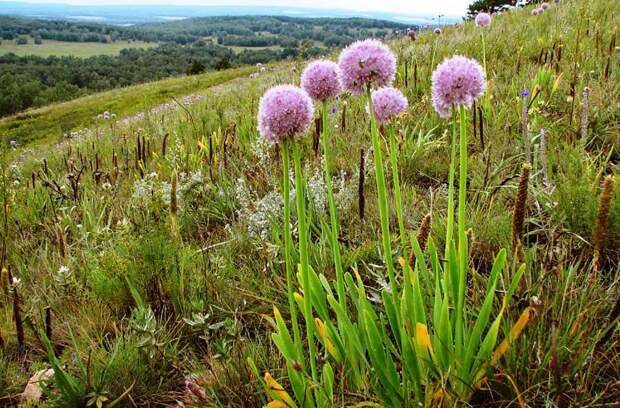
(333, 214)
(382, 195)
(288, 243)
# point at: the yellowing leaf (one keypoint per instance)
(277, 404)
(422, 338)
(402, 262)
(556, 83)
(277, 392)
(515, 332)
(322, 332)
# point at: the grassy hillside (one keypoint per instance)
(52, 122)
(154, 249)
(60, 48)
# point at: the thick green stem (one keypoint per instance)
(450, 221)
(484, 52)
(288, 248)
(333, 214)
(382, 196)
(304, 268)
(462, 244)
(396, 180)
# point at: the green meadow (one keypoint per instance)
(178, 259)
(65, 48)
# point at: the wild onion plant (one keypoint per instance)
(424, 343)
(284, 112)
(482, 20)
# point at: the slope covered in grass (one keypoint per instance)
(157, 245)
(54, 121)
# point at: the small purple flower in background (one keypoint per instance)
(13, 144)
(544, 6)
(321, 79)
(334, 110)
(537, 11)
(106, 115)
(437, 31)
(483, 19)
(525, 93)
(366, 64)
(457, 81)
(556, 1)
(388, 103)
(283, 112)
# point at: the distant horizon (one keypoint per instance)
(446, 8)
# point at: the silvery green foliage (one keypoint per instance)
(316, 190)
(150, 188)
(257, 214)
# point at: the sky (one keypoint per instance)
(417, 7)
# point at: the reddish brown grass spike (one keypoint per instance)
(518, 215)
(602, 216)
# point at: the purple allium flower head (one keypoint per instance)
(321, 79)
(388, 103)
(457, 81)
(483, 19)
(283, 112)
(537, 11)
(544, 6)
(437, 31)
(366, 64)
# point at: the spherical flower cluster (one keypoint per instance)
(283, 112)
(366, 64)
(321, 79)
(544, 6)
(483, 19)
(537, 11)
(457, 81)
(388, 103)
(437, 31)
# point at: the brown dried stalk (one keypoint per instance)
(600, 228)
(423, 233)
(60, 235)
(518, 215)
(17, 316)
(48, 323)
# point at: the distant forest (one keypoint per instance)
(185, 47)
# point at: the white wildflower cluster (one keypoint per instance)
(258, 214)
(261, 148)
(15, 174)
(316, 190)
(106, 115)
(345, 191)
(176, 154)
(63, 277)
(344, 186)
(143, 189)
(78, 134)
(150, 188)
